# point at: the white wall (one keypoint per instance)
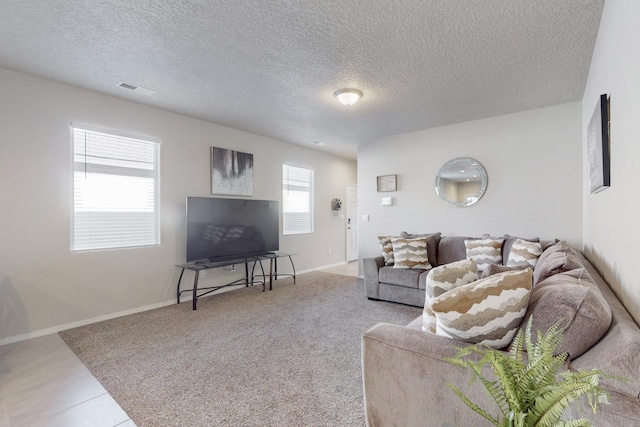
(43, 286)
(534, 166)
(611, 226)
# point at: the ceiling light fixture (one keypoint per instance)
(348, 96)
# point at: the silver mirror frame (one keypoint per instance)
(468, 162)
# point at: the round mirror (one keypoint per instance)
(461, 182)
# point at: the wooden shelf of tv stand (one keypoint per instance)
(199, 266)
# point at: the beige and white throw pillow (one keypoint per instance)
(484, 251)
(442, 279)
(488, 311)
(387, 249)
(524, 252)
(410, 253)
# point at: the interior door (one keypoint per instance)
(352, 222)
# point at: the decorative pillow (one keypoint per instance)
(387, 249)
(508, 242)
(524, 252)
(432, 244)
(410, 253)
(574, 297)
(488, 311)
(442, 279)
(497, 268)
(484, 251)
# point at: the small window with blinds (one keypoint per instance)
(297, 200)
(115, 190)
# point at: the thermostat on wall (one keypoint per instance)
(387, 201)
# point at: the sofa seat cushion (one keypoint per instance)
(442, 279)
(574, 297)
(488, 311)
(405, 277)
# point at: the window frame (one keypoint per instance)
(311, 204)
(76, 245)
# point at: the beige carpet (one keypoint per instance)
(287, 357)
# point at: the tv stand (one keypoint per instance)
(256, 260)
(199, 266)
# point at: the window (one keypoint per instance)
(297, 200)
(115, 190)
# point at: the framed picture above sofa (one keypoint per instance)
(598, 146)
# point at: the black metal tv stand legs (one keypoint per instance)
(201, 266)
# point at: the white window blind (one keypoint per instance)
(115, 191)
(297, 200)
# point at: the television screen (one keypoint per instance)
(220, 228)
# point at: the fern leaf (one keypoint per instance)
(581, 422)
(550, 406)
(473, 406)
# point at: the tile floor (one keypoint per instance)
(44, 384)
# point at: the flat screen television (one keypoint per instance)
(219, 229)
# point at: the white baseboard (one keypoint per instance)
(59, 328)
(56, 329)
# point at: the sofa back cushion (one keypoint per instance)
(442, 279)
(556, 259)
(574, 297)
(617, 352)
(451, 249)
(488, 311)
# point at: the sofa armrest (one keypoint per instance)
(405, 376)
(371, 267)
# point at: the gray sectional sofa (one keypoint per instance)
(407, 286)
(404, 368)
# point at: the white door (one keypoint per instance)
(352, 222)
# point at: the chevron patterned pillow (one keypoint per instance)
(488, 311)
(484, 251)
(387, 249)
(410, 253)
(442, 279)
(524, 252)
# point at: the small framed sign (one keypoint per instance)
(387, 183)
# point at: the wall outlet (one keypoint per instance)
(203, 274)
(233, 267)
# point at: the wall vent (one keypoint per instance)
(136, 88)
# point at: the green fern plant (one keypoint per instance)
(529, 388)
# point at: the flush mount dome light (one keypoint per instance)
(348, 96)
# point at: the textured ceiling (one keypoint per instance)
(271, 67)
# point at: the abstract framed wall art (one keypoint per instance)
(598, 147)
(231, 172)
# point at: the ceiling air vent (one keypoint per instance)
(137, 89)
